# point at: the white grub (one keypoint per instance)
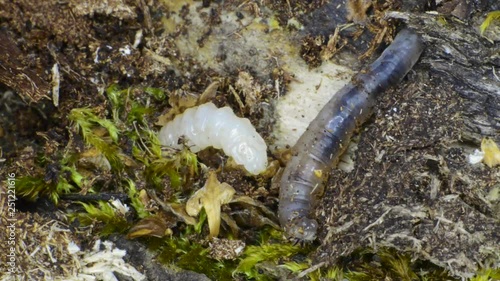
(206, 125)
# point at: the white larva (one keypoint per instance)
(206, 125)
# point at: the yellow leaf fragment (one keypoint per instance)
(151, 226)
(211, 196)
(318, 173)
(209, 93)
(490, 18)
(96, 158)
(491, 152)
(178, 210)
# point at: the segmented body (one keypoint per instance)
(206, 125)
(328, 135)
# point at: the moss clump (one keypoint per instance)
(489, 20)
(67, 179)
(487, 274)
(90, 126)
(183, 253)
(110, 215)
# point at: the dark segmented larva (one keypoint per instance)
(329, 134)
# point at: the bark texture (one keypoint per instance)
(412, 187)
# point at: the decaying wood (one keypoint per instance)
(412, 187)
(17, 73)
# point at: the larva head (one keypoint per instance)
(251, 153)
(302, 229)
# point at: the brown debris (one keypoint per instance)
(225, 249)
(458, 8)
(250, 89)
(357, 10)
(116, 8)
(28, 80)
(155, 226)
(40, 243)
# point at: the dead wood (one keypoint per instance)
(413, 188)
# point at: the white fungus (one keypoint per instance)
(476, 157)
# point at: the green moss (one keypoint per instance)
(179, 166)
(202, 218)
(86, 121)
(334, 273)
(137, 113)
(390, 264)
(136, 203)
(146, 147)
(183, 252)
(161, 168)
(197, 259)
(385, 264)
(122, 104)
(492, 17)
(117, 97)
(267, 252)
(113, 220)
(487, 275)
(399, 265)
(31, 188)
(157, 93)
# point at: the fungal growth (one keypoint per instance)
(206, 125)
(328, 135)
